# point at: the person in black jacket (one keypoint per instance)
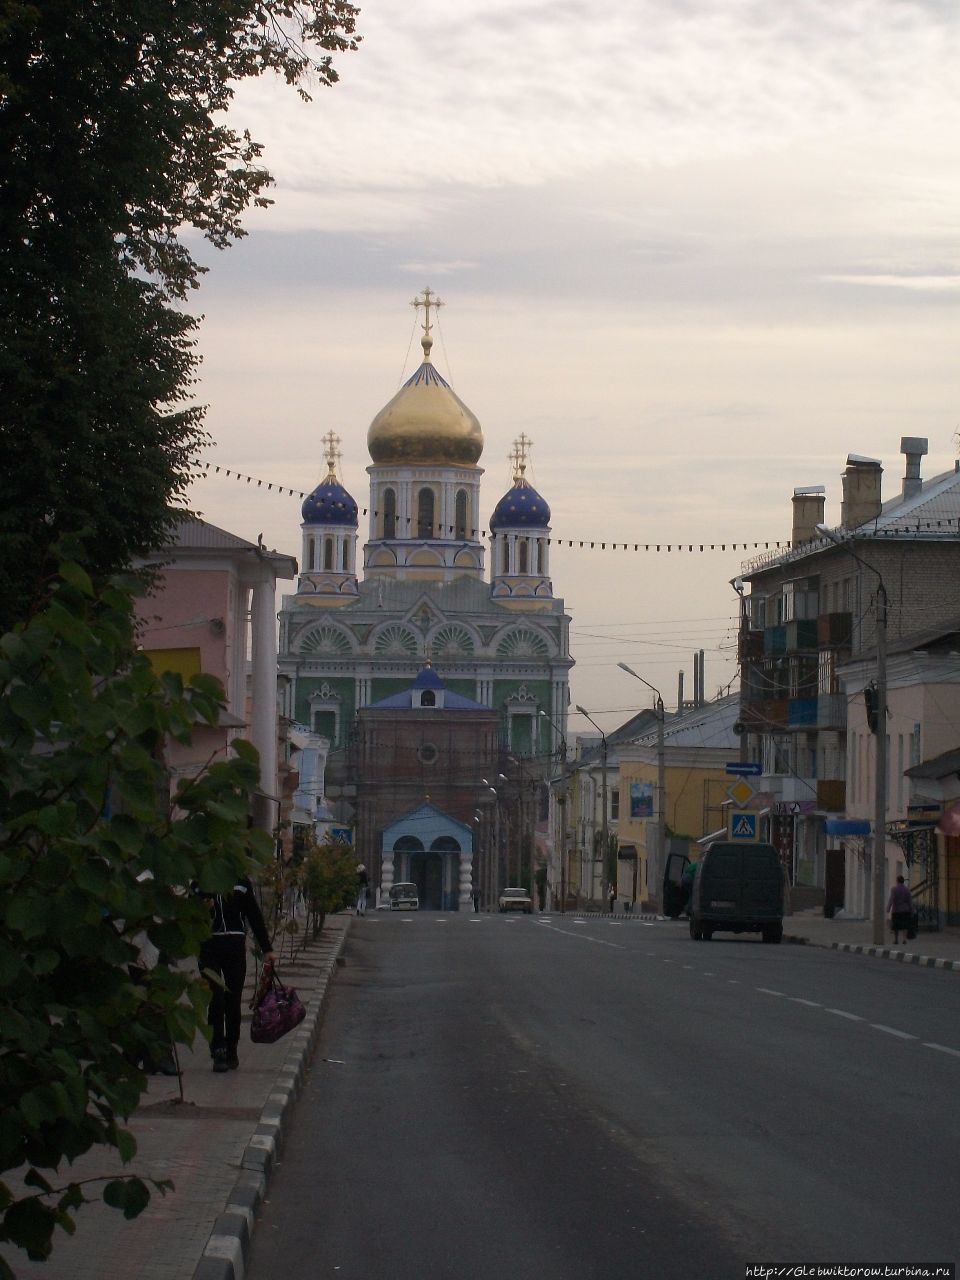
(225, 954)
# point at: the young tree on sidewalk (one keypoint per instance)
(95, 856)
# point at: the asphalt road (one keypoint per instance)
(496, 1098)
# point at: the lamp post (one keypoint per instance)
(604, 841)
(880, 730)
(562, 802)
(661, 852)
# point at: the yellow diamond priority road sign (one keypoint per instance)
(740, 792)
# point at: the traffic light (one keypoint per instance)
(873, 705)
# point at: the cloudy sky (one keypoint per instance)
(698, 250)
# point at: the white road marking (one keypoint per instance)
(842, 1013)
(583, 937)
(892, 1031)
(768, 991)
(812, 1004)
(707, 974)
(942, 1048)
(688, 966)
(734, 982)
(441, 922)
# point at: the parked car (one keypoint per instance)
(738, 888)
(516, 899)
(404, 897)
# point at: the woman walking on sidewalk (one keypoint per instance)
(900, 907)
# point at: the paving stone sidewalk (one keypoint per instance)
(217, 1145)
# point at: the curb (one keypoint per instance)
(882, 953)
(225, 1253)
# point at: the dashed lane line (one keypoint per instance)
(812, 1004)
(768, 991)
(842, 1013)
(892, 1031)
(585, 937)
(941, 1048)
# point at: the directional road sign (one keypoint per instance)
(750, 768)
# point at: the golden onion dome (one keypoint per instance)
(425, 423)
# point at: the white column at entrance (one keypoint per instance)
(386, 875)
(466, 880)
(263, 720)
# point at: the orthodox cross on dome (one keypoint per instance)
(521, 448)
(331, 451)
(428, 300)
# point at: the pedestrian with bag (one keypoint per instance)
(224, 954)
(900, 907)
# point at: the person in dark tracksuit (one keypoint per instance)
(225, 954)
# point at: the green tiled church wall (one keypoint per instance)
(343, 687)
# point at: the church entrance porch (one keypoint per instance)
(434, 852)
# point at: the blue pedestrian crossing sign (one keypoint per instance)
(743, 826)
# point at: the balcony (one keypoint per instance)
(832, 711)
(802, 713)
(774, 641)
(834, 630)
(831, 795)
(750, 646)
(801, 635)
(773, 713)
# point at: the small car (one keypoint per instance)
(404, 897)
(516, 899)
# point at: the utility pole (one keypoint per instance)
(657, 863)
(604, 836)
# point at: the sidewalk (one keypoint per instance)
(939, 950)
(217, 1146)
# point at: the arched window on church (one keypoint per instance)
(461, 516)
(425, 513)
(539, 555)
(313, 553)
(328, 553)
(389, 513)
(346, 555)
(524, 554)
(506, 556)
(428, 698)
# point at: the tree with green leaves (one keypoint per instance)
(113, 140)
(95, 856)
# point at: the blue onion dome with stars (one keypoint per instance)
(521, 507)
(330, 503)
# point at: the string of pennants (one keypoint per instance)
(595, 544)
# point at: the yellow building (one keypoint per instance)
(697, 745)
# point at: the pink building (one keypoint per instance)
(214, 611)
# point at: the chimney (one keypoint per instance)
(808, 504)
(914, 447)
(861, 491)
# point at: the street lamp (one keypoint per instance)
(880, 730)
(562, 802)
(604, 881)
(661, 853)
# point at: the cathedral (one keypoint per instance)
(439, 673)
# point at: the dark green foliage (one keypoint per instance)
(94, 857)
(112, 140)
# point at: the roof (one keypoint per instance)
(427, 678)
(941, 766)
(930, 515)
(708, 726)
(189, 533)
